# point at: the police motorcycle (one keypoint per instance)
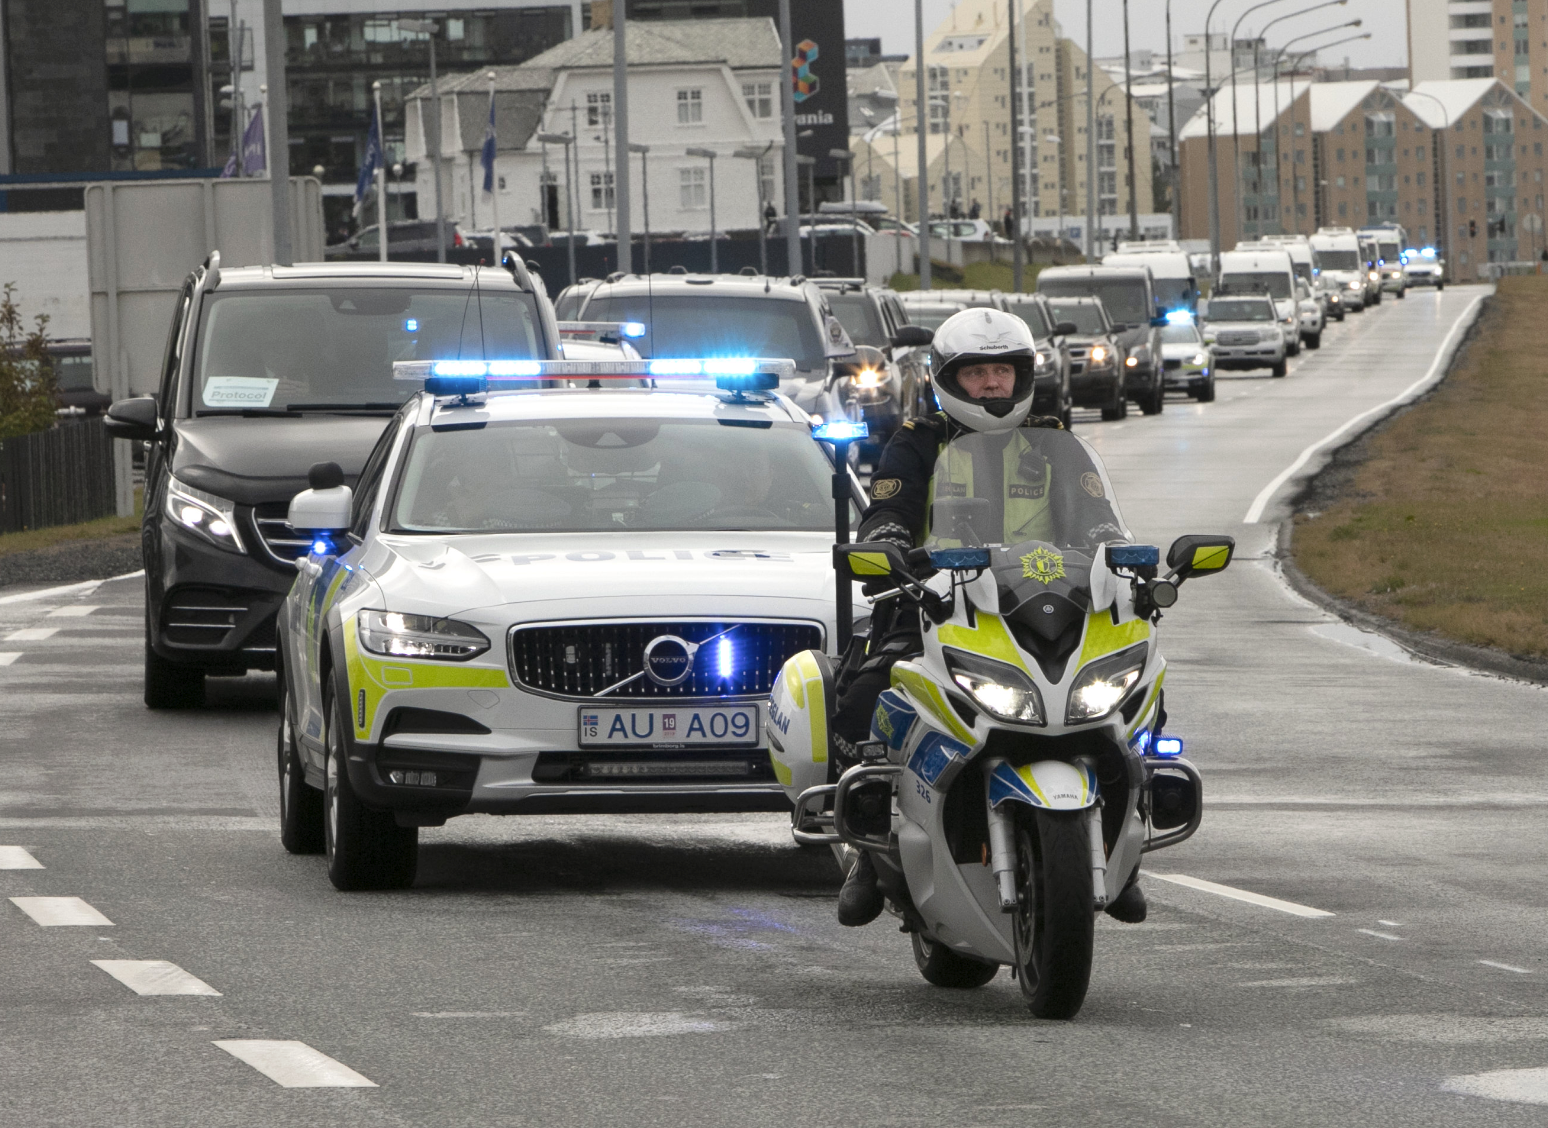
(1021, 756)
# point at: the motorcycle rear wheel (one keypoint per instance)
(1055, 923)
(944, 968)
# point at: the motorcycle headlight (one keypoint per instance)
(1000, 690)
(869, 378)
(205, 515)
(1098, 354)
(1105, 683)
(419, 636)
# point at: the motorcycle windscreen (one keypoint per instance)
(1024, 485)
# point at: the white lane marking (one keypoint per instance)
(1444, 1029)
(1524, 1086)
(1239, 894)
(18, 857)
(1391, 923)
(8, 657)
(32, 634)
(1303, 981)
(627, 1024)
(52, 912)
(74, 611)
(1259, 503)
(295, 1065)
(1378, 935)
(50, 593)
(469, 1014)
(1506, 967)
(155, 977)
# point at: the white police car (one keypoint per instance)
(554, 597)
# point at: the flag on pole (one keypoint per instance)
(372, 162)
(488, 159)
(254, 147)
(231, 169)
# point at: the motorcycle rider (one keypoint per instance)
(982, 362)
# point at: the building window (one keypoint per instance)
(599, 109)
(1380, 125)
(1340, 182)
(690, 107)
(766, 178)
(1498, 121)
(692, 191)
(759, 97)
(1343, 210)
(601, 191)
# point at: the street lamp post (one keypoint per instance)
(566, 140)
(1295, 191)
(644, 152)
(854, 211)
(787, 108)
(620, 118)
(1128, 97)
(709, 155)
(381, 180)
(757, 156)
(1209, 124)
(1091, 206)
(1171, 125)
(428, 28)
(1443, 228)
(1018, 266)
(811, 229)
(921, 116)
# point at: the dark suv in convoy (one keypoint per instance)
(1051, 394)
(1096, 372)
(874, 318)
(1128, 294)
(267, 371)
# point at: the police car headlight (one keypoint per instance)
(1103, 684)
(1002, 691)
(206, 516)
(419, 636)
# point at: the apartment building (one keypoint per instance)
(1499, 39)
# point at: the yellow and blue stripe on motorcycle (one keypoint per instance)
(1050, 784)
(934, 755)
(893, 719)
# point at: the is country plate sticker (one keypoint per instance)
(934, 755)
(710, 725)
(239, 391)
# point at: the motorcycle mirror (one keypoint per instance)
(1163, 593)
(868, 560)
(1199, 555)
(913, 336)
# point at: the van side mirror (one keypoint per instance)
(913, 337)
(326, 507)
(134, 419)
(1196, 555)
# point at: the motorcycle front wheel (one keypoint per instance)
(1055, 922)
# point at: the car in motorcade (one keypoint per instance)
(732, 315)
(1390, 240)
(1268, 269)
(1423, 266)
(1096, 365)
(1244, 330)
(1129, 297)
(1303, 260)
(1331, 294)
(1311, 320)
(552, 599)
(268, 370)
(889, 381)
(1338, 260)
(404, 237)
(967, 231)
(1171, 271)
(932, 307)
(1052, 393)
(1370, 261)
(1187, 357)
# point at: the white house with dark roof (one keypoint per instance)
(707, 84)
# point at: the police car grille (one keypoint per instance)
(582, 659)
(282, 542)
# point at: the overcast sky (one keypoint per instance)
(1387, 47)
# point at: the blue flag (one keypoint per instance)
(231, 168)
(372, 162)
(489, 148)
(254, 147)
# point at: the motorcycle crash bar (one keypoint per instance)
(474, 377)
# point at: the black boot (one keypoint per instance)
(1129, 906)
(860, 900)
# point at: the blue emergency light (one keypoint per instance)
(456, 385)
(839, 431)
(736, 374)
(1168, 747)
(632, 328)
(949, 558)
(1179, 317)
(1133, 556)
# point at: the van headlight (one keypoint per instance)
(869, 378)
(1000, 690)
(1098, 354)
(206, 516)
(1104, 683)
(419, 636)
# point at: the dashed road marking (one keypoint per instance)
(1524, 1086)
(74, 611)
(1507, 967)
(294, 1065)
(1391, 923)
(1240, 895)
(7, 657)
(625, 1024)
(1303, 981)
(32, 634)
(18, 857)
(1378, 935)
(155, 977)
(52, 912)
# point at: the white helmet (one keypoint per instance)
(983, 336)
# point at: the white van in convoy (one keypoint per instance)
(1301, 261)
(1390, 240)
(1270, 271)
(1175, 285)
(1338, 257)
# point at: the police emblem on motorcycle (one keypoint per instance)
(669, 660)
(1043, 565)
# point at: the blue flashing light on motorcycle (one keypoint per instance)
(1133, 556)
(1168, 747)
(840, 431)
(944, 558)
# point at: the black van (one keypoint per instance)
(1128, 294)
(267, 371)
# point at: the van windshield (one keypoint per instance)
(1275, 282)
(1124, 297)
(1338, 260)
(1390, 252)
(857, 315)
(1176, 293)
(718, 325)
(1087, 316)
(299, 349)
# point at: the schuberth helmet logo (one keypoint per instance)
(668, 660)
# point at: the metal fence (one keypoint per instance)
(56, 477)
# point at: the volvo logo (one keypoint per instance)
(669, 660)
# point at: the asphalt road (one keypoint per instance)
(688, 970)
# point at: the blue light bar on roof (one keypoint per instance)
(631, 329)
(839, 431)
(1179, 317)
(732, 374)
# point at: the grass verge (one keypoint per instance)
(1443, 524)
(32, 539)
